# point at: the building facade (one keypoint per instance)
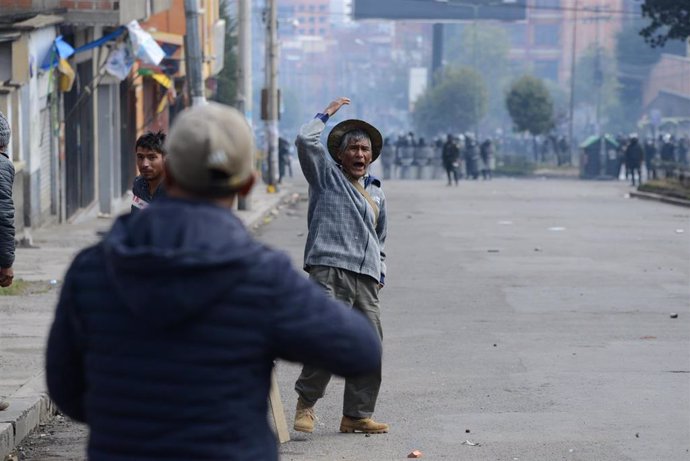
(73, 144)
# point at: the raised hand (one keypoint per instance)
(333, 107)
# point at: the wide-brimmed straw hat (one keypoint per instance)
(338, 131)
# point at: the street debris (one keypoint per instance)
(637, 435)
(648, 337)
(556, 228)
(674, 315)
(493, 250)
(537, 249)
(680, 231)
(505, 223)
(415, 454)
(471, 444)
(467, 431)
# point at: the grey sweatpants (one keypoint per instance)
(360, 292)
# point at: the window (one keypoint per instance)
(547, 34)
(547, 70)
(518, 34)
(5, 61)
(547, 3)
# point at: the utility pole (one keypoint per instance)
(437, 54)
(244, 77)
(475, 7)
(573, 51)
(271, 92)
(192, 9)
(598, 81)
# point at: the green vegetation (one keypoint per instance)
(22, 287)
(669, 20)
(597, 85)
(226, 91)
(530, 105)
(634, 60)
(514, 166)
(668, 187)
(455, 105)
(484, 48)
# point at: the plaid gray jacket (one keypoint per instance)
(340, 220)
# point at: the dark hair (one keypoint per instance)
(152, 141)
(352, 136)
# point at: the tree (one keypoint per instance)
(226, 92)
(530, 105)
(596, 83)
(484, 48)
(456, 104)
(670, 19)
(634, 59)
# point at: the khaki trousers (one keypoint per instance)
(360, 292)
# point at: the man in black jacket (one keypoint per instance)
(634, 154)
(6, 213)
(451, 158)
(166, 332)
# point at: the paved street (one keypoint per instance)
(534, 314)
(529, 317)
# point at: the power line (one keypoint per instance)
(595, 9)
(528, 7)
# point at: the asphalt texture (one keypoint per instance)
(522, 319)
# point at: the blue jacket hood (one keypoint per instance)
(176, 258)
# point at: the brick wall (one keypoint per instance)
(37, 5)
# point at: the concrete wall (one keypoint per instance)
(35, 127)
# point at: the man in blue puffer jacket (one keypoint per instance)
(165, 333)
(6, 214)
(6, 206)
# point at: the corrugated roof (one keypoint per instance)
(592, 139)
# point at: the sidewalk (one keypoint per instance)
(25, 318)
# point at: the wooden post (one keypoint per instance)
(277, 410)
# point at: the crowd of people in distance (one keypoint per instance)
(460, 155)
(661, 155)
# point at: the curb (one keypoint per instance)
(30, 405)
(660, 198)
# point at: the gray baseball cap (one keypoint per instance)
(209, 150)
(5, 131)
